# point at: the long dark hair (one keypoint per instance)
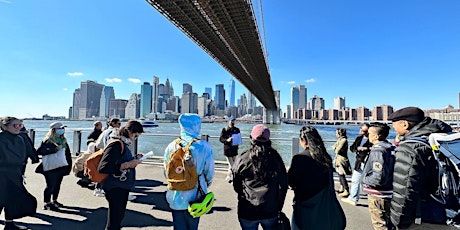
(133, 126)
(262, 156)
(315, 146)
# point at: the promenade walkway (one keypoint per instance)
(150, 210)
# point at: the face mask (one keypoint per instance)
(60, 131)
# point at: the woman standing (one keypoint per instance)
(54, 143)
(310, 176)
(119, 163)
(342, 164)
(14, 197)
(260, 180)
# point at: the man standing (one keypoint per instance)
(415, 173)
(228, 137)
(92, 137)
(361, 147)
(190, 127)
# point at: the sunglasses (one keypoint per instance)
(17, 126)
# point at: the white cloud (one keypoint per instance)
(134, 80)
(74, 74)
(65, 89)
(311, 80)
(290, 82)
(5, 1)
(117, 80)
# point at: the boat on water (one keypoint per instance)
(149, 123)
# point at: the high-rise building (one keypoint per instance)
(76, 104)
(90, 96)
(117, 108)
(208, 91)
(187, 88)
(317, 103)
(220, 97)
(189, 103)
(106, 95)
(339, 103)
(202, 107)
(381, 113)
(232, 92)
(251, 102)
(146, 99)
(362, 113)
(168, 88)
(155, 94)
(298, 98)
(132, 109)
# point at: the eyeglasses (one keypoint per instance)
(18, 125)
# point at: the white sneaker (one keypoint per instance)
(131, 197)
(99, 192)
(349, 201)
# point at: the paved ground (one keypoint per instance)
(149, 210)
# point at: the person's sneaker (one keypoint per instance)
(349, 201)
(98, 192)
(12, 226)
(344, 194)
(51, 206)
(57, 204)
(131, 197)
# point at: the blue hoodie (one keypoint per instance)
(190, 125)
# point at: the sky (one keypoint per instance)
(399, 53)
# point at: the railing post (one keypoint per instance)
(136, 142)
(295, 146)
(32, 136)
(76, 142)
(205, 137)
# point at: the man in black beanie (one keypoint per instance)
(415, 173)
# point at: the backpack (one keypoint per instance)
(181, 170)
(446, 152)
(92, 164)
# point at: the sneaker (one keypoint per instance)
(131, 197)
(98, 192)
(57, 204)
(349, 201)
(344, 194)
(12, 226)
(51, 206)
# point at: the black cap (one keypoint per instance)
(413, 114)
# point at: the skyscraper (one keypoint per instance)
(132, 109)
(209, 91)
(187, 88)
(339, 103)
(155, 94)
(146, 99)
(317, 103)
(76, 103)
(106, 95)
(220, 97)
(298, 98)
(90, 97)
(232, 92)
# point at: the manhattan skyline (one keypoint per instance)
(372, 53)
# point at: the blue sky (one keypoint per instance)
(402, 53)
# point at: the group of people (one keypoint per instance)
(396, 179)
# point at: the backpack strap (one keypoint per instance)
(121, 142)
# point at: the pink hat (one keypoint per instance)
(260, 133)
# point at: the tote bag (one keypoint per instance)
(54, 160)
(320, 212)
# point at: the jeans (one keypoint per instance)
(230, 161)
(267, 224)
(182, 220)
(356, 184)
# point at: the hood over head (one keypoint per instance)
(190, 126)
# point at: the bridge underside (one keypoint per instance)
(227, 31)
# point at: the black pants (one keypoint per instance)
(53, 184)
(343, 182)
(117, 198)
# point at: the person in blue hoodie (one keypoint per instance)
(190, 127)
(378, 176)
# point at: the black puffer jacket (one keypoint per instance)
(415, 173)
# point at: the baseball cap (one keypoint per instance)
(57, 125)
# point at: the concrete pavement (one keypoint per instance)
(150, 210)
